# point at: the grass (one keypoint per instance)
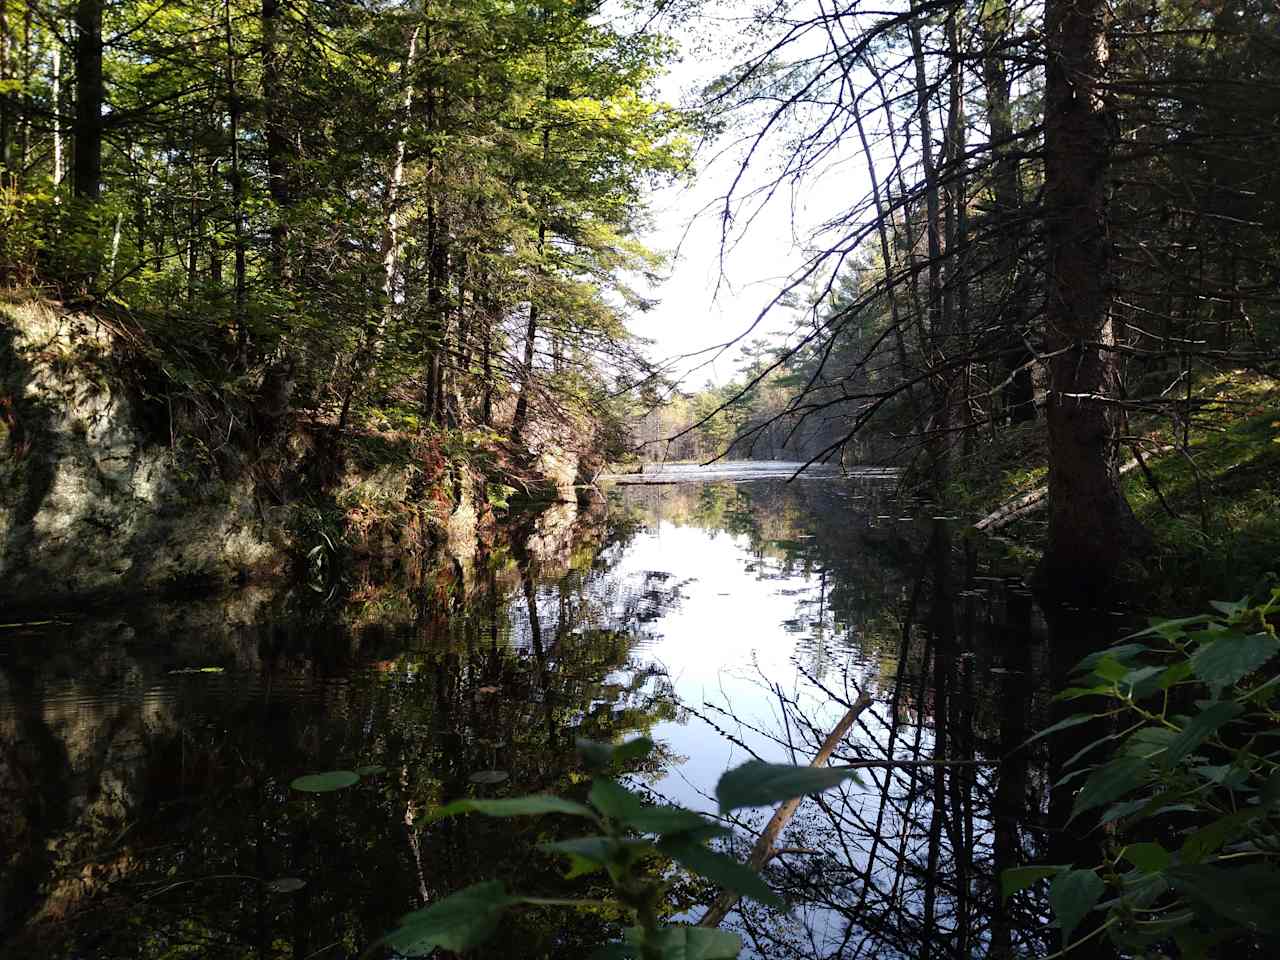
(1217, 531)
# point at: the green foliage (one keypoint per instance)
(326, 782)
(757, 784)
(631, 834)
(1189, 791)
(459, 922)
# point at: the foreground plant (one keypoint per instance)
(628, 834)
(1189, 792)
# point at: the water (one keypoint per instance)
(146, 751)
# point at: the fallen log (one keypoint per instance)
(1035, 499)
(763, 850)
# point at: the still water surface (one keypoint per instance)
(146, 752)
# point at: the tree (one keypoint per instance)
(1092, 529)
(90, 95)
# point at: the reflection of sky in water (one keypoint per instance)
(746, 627)
(723, 645)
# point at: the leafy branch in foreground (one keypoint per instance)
(1190, 792)
(628, 832)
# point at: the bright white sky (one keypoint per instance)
(710, 299)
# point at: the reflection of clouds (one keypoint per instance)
(796, 609)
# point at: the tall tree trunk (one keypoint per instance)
(531, 332)
(486, 365)
(936, 343)
(437, 256)
(237, 181)
(1018, 394)
(56, 85)
(279, 168)
(526, 383)
(369, 351)
(1092, 530)
(6, 45)
(955, 297)
(195, 225)
(25, 161)
(90, 93)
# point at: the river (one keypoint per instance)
(146, 751)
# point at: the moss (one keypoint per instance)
(1217, 532)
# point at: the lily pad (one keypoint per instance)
(286, 885)
(326, 782)
(370, 770)
(489, 776)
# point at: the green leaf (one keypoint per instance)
(1118, 811)
(1016, 879)
(1072, 895)
(1247, 894)
(670, 821)
(1110, 782)
(1211, 838)
(1148, 857)
(589, 854)
(688, 943)
(1231, 657)
(458, 922)
(1171, 628)
(725, 871)
(370, 770)
(614, 951)
(325, 782)
(613, 799)
(1120, 652)
(531, 806)
(1229, 608)
(1109, 668)
(618, 803)
(489, 777)
(1148, 741)
(634, 749)
(1200, 728)
(757, 784)
(1074, 720)
(1174, 675)
(1141, 680)
(600, 757)
(1075, 693)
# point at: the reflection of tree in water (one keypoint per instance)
(175, 810)
(906, 863)
(841, 537)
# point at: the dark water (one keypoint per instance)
(146, 752)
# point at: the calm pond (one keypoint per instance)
(146, 752)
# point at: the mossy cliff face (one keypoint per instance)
(112, 483)
(90, 503)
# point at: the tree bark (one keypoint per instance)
(5, 45)
(90, 94)
(370, 349)
(762, 851)
(938, 438)
(279, 183)
(56, 84)
(1018, 395)
(237, 181)
(1092, 530)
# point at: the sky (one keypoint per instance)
(711, 295)
(714, 293)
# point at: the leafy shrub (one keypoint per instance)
(1189, 793)
(629, 833)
